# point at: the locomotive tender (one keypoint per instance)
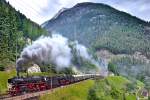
(21, 85)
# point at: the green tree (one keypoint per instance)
(113, 68)
(15, 29)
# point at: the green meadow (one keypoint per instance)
(77, 91)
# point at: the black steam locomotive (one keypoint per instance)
(21, 85)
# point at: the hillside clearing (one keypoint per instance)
(114, 88)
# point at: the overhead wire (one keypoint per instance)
(30, 6)
(26, 9)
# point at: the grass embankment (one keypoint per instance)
(4, 76)
(114, 88)
(77, 91)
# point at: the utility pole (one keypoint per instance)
(51, 82)
(16, 47)
(16, 54)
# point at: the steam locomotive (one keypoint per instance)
(22, 85)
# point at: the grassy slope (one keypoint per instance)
(115, 87)
(74, 92)
(4, 76)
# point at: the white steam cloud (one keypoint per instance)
(82, 51)
(51, 50)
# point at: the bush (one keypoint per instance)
(67, 71)
(92, 95)
(48, 68)
(2, 68)
(115, 93)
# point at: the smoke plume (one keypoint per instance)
(50, 50)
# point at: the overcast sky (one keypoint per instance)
(42, 10)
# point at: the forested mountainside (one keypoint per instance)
(100, 26)
(15, 31)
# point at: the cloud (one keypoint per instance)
(42, 10)
(139, 8)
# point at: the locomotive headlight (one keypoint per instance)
(9, 86)
(45, 78)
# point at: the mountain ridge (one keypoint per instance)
(89, 3)
(100, 26)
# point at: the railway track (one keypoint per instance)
(28, 96)
(32, 96)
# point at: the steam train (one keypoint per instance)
(22, 85)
